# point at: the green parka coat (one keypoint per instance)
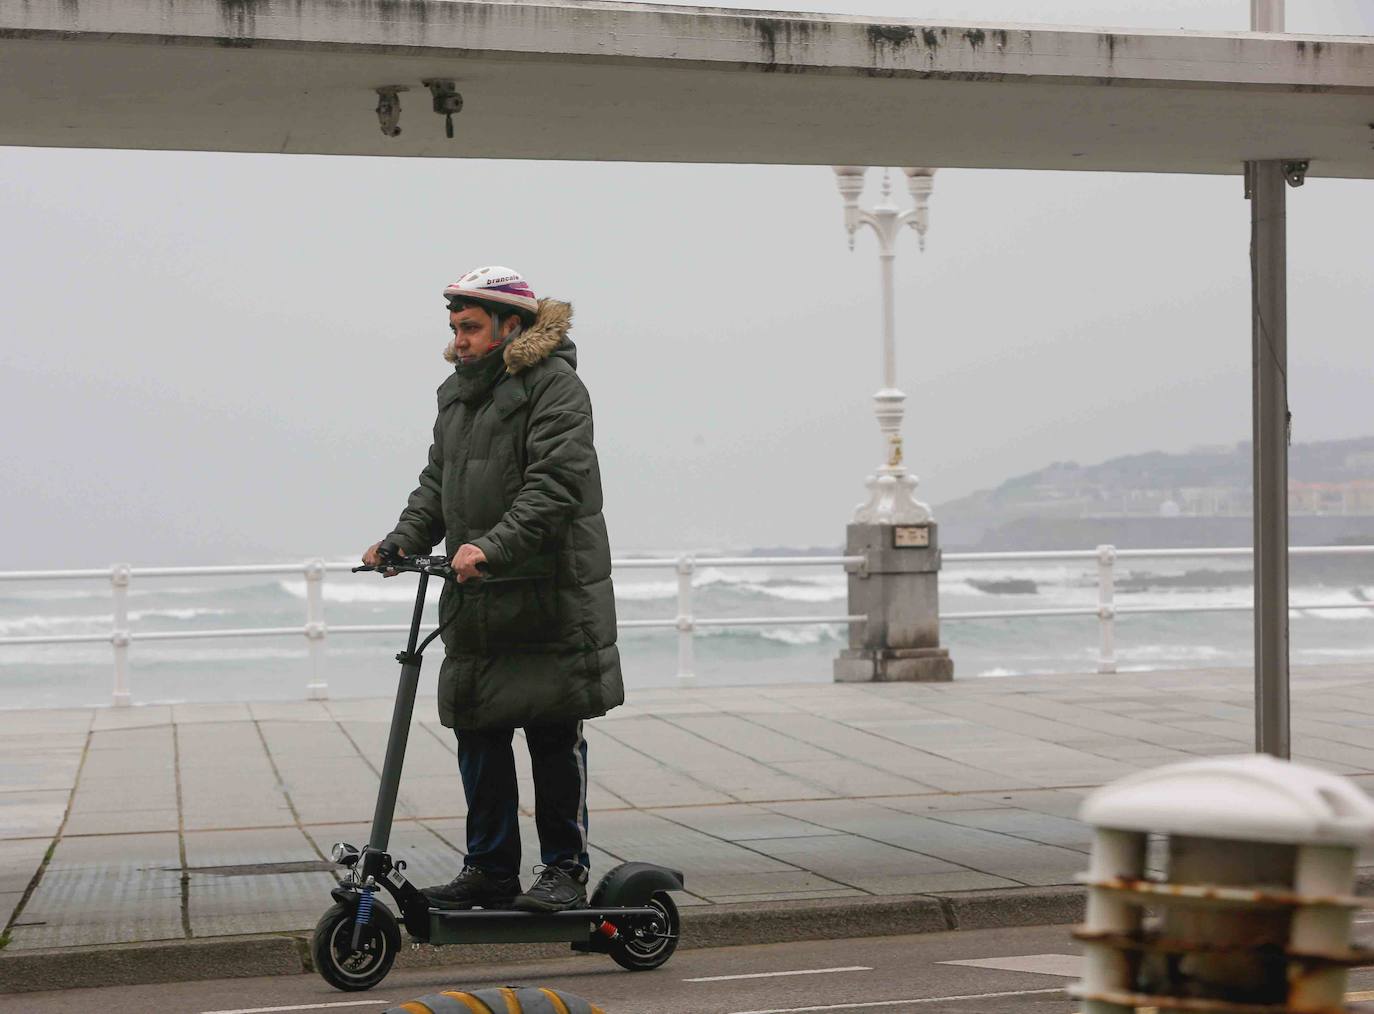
(512, 470)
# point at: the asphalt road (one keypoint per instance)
(877, 974)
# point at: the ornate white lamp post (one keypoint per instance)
(892, 491)
(898, 589)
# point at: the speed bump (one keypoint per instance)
(505, 1000)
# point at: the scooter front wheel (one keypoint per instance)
(336, 960)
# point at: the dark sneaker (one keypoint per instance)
(560, 886)
(474, 888)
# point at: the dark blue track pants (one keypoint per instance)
(558, 757)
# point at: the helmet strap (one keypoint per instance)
(496, 337)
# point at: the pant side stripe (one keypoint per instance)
(580, 749)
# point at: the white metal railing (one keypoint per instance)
(1107, 610)
(316, 630)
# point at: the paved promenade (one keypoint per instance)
(199, 821)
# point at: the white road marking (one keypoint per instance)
(770, 975)
(1067, 965)
(897, 1003)
(299, 1006)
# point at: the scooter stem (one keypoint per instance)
(400, 729)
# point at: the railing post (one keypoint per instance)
(1106, 607)
(318, 688)
(686, 566)
(119, 638)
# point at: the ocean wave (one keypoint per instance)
(645, 591)
(186, 613)
(1001, 672)
(1354, 597)
(13, 594)
(101, 590)
(18, 626)
(1334, 653)
(1171, 653)
(795, 636)
(374, 591)
(796, 591)
(998, 671)
(1063, 575)
(97, 623)
(801, 636)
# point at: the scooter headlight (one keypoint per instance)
(343, 853)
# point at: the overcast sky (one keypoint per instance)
(225, 357)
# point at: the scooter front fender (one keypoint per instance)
(413, 906)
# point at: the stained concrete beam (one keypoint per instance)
(622, 81)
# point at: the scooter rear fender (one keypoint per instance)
(633, 884)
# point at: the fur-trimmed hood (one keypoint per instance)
(536, 342)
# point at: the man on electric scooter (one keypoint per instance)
(512, 486)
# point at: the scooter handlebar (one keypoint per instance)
(435, 566)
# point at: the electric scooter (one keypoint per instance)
(630, 914)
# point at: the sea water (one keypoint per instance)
(63, 675)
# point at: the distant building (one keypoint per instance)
(1354, 497)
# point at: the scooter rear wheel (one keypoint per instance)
(639, 953)
(347, 969)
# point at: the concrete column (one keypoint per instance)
(898, 590)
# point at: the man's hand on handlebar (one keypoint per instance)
(469, 563)
(372, 558)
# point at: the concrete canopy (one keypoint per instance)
(622, 81)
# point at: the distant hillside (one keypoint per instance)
(1327, 480)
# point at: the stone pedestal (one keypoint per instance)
(898, 589)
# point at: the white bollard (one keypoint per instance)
(119, 585)
(1255, 905)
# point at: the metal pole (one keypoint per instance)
(1269, 414)
(885, 258)
(1266, 15)
(402, 713)
(686, 627)
(1269, 365)
(119, 581)
(1106, 607)
(318, 687)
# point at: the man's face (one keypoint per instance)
(472, 337)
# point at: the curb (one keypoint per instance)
(137, 964)
(28, 971)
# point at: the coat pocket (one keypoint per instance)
(519, 613)
(460, 617)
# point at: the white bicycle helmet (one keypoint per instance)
(494, 285)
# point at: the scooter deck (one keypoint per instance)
(495, 926)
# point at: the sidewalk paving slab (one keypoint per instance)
(175, 840)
